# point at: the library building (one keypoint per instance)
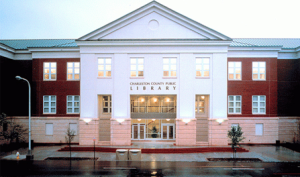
(153, 75)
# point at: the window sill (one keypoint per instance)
(169, 77)
(73, 79)
(49, 80)
(259, 113)
(234, 113)
(104, 77)
(136, 77)
(234, 79)
(202, 77)
(258, 79)
(49, 113)
(73, 113)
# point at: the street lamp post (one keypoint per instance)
(29, 156)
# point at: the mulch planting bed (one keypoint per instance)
(162, 150)
(235, 159)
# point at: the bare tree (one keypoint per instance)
(70, 134)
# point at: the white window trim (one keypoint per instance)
(234, 68)
(202, 69)
(258, 105)
(73, 74)
(170, 70)
(258, 77)
(262, 129)
(234, 107)
(73, 107)
(137, 69)
(49, 107)
(49, 72)
(104, 68)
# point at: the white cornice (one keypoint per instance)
(73, 49)
(153, 43)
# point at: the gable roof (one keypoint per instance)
(154, 6)
(30, 43)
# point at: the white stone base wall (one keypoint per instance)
(88, 131)
(38, 128)
(185, 133)
(289, 129)
(217, 133)
(120, 132)
(270, 129)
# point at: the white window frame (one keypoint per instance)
(49, 104)
(234, 101)
(73, 125)
(73, 107)
(170, 66)
(258, 107)
(137, 67)
(259, 70)
(201, 65)
(50, 68)
(235, 68)
(47, 126)
(107, 67)
(257, 133)
(73, 68)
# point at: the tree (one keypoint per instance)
(236, 136)
(154, 132)
(12, 131)
(70, 134)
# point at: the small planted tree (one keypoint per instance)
(70, 134)
(236, 136)
(154, 132)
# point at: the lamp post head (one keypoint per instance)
(18, 78)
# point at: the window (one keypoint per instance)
(153, 104)
(49, 105)
(104, 67)
(234, 104)
(73, 69)
(106, 101)
(169, 67)
(73, 127)
(259, 70)
(73, 104)
(234, 71)
(235, 125)
(200, 104)
(258, 104)
(49, 71)
(136, 67)
(49, 129)
(259, 129)
(202, 67)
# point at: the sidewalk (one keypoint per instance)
(267, 153)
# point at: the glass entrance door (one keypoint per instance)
(168, 131)
(138, 131)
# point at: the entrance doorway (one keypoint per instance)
(138, 131)
(168, 131)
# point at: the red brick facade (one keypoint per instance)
(247, 87)
(61, 87)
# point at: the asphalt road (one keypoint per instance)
(113, 168)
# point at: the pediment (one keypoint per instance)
(154, 21)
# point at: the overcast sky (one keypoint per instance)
(71, 19)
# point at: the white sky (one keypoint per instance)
(71, 19)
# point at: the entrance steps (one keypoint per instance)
(201, 143)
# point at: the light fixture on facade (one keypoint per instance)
(220, 121)
(186, 121)
(168, 119)
(86, 120)
(120, 121)
(139, 119)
